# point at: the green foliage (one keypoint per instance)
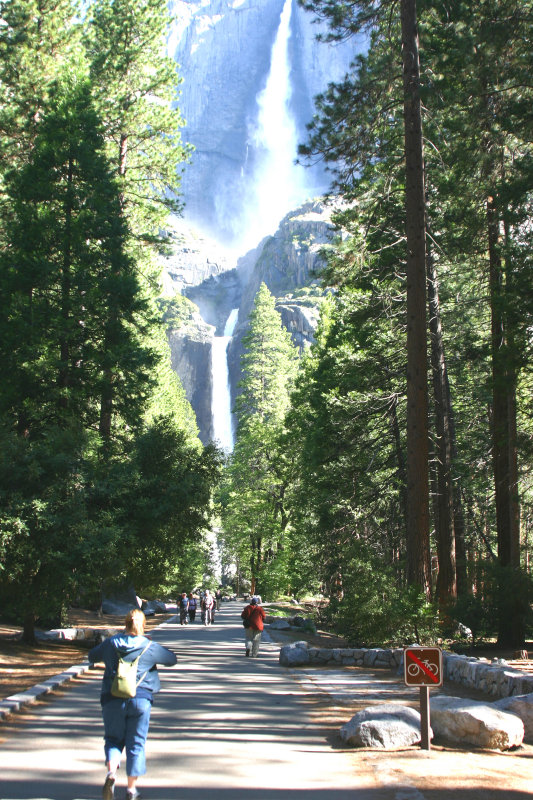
(268, 364)
(471, 611)
(253, 508)
(346, 424)
(102, 477)
(74, 307)
(376, 611)
(176, 311)
(48, 540)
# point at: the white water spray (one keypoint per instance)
(221, 396)
(278, 184)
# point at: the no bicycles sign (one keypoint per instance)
(422, 666)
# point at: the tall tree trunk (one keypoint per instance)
(511, 625)
(444, 522)
(418, 554)
(402, 481)
(63, 377)
(512, 371)
(108, 390)
(503, 405)
(28, 630)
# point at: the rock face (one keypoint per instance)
(224, 52)
(385, 726)
(289, 264)
(190, 354)
(193, 260)
(463, 721)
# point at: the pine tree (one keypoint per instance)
(255, 515)
(66, 273)
(268, 364)
(135, 86)
(37, 39)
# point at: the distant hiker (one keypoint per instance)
(207, 607)
(218, 598)
(192, 607)
(253, 617)
(127, 717)
(184, 608)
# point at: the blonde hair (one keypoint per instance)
(135, 621)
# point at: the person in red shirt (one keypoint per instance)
(253, 617)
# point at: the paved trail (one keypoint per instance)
(226, 727)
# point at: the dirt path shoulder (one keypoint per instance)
(23, 666)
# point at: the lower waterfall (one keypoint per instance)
(221, 392)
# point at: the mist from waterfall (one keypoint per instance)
(277, 185)
(221, 393)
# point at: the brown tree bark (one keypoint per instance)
(446, 589)
(504, 447)
(418, 553)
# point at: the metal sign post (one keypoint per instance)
(422, 667)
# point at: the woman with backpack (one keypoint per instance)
(127, 701)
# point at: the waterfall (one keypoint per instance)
(278, 184)
(221, 396)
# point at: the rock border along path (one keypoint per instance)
(16, 702)
(472, 673)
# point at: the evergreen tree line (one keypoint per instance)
(102, 477)
(404, 520)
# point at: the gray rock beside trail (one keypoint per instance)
(280, 624)
(294, 655)
(151, 607)
(462, 721)
(385, 726)
(117, 607)
(522, 707)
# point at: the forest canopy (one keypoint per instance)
(102, 476)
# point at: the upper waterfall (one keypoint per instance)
(227, 51)
(277, 184)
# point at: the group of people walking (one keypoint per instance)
(130, 681)
(209, 605)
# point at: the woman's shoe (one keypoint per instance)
(108, 792)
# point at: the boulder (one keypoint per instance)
(294, 655)
(280, 624)
(117, 607)
(462, 721)
(522, 707)
(151, 607)
(385, 726)
(297, 621)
